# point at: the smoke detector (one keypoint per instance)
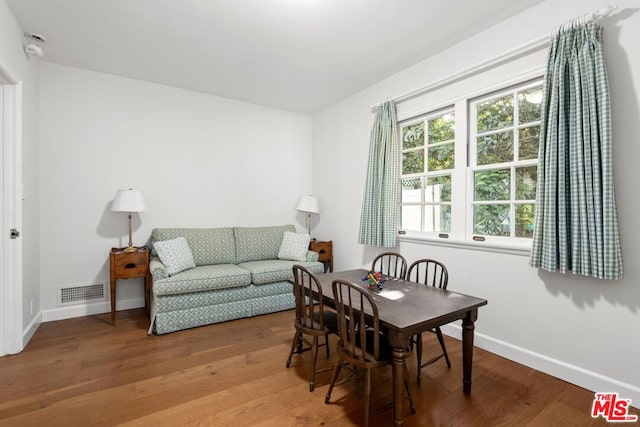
(38, 38)
(32, 48)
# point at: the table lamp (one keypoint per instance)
(128, 201)
(308, 204)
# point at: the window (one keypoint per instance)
(505, 129)
(475, 179)
(427, 160)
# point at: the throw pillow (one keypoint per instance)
(175, 254)
(294, 246)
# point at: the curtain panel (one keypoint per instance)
(379, 216)
(576, 226)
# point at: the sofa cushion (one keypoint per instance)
(209, 246)
(294, 246)
(275, 270)
(203, 278)
(175, 254)
(258, 243)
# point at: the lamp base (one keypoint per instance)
(130, 249)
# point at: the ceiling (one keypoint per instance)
(296, 55)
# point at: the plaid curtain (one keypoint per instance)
(379, 217)
(576, 225)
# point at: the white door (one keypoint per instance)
(10, 216)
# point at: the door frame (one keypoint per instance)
(11, 340)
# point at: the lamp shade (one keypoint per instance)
(308, 204)
(128, 201)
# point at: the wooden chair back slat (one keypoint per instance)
(390, 264)
(429, 272)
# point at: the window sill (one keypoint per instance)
(511, 249)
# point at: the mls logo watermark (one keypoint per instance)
(612, 408)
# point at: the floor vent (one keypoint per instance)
(81, 293)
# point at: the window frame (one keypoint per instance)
(462, 174)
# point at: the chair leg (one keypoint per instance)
(314, 351)
(336, 372)
(444, 349)
(406, 386)
(294, 344)
(419, 355)
(326, 343)
(367, 396)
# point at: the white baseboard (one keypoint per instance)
(27, 334)
(557, 368)
(61, 313)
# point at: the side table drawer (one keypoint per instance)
(133, 265)
(324, 250)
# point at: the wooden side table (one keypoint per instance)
(325, 249)
(129, 265)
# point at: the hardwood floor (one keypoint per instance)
(85, 372)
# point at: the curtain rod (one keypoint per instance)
(509, 55)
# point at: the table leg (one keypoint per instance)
(399, 360)
(468, 328)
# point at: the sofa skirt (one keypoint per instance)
(170, 313)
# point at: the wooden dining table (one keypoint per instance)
(407, 308)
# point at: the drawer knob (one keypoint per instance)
(130, 265)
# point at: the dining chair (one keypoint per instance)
(361, 344)
(311, 319)
(431, 273)
(390, 264)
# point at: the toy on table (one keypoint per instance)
(374, 280)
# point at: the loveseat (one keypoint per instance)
(234, 272)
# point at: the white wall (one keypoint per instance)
(199, 160)
(13, 58)
(580, 329)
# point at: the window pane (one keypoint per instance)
(491, 220)
(438, 189)
(410, 217)
(442, 128)
(411, 190)
(492, 185)
(529, 141)
(437, 218)
(526, 179)
(413, 135)
(495, 114)
(413, 162)
(530, 105)
(525, 214)
(496, 148)
(441, 157)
